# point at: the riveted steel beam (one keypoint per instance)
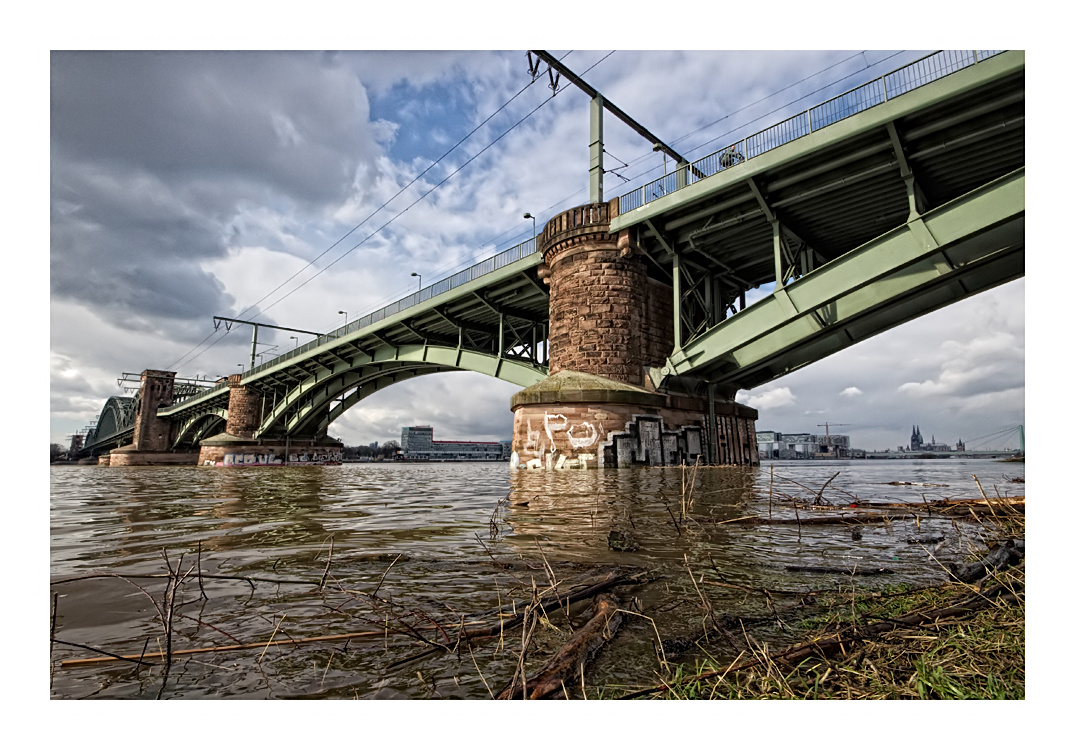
(844, 131)
(970, 244)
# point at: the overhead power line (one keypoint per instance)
(184, 359)
(348, 234)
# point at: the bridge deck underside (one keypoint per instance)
(819, 199)
(965, 247)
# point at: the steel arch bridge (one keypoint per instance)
(114, 425)
(892, 200)
(491, 319)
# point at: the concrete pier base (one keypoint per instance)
(229, 450)
(574, 420)
(128, 456)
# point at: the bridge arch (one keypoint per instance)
(116, 416)
(199, 426)
(309, 407)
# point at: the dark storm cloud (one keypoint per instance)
(155, 155)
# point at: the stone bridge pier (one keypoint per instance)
(153, 437)
(608, 322)
(240, 444)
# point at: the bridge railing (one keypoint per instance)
(889, 86)
(487, 266)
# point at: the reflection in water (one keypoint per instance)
(437, 541)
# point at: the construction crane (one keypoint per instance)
(827, 425)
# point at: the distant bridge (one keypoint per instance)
(880, 205)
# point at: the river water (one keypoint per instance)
(397, 553)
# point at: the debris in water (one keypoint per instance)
(621, 541)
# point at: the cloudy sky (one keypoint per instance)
(288, 186)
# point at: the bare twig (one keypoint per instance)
(817, 500)
(331, 542)
(378, 588)
(200, 587)
(271, 637)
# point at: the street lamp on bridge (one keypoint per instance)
(344, 314)
(419, 280)
(296, 339)
(530, 216)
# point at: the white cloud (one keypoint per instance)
(769, 399)
(851, 392)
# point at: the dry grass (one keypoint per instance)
(980, 655)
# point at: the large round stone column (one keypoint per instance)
(244, 408)
(608, 322)
(597, 292)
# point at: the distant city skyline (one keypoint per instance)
(1006, 439)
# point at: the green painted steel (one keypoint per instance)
(489, 324)
(115, 424)
(199, 425)
(490, 319)
(309, 405)
(929, 95)
(970, 244)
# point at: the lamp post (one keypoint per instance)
(344, 314)
(240, 368)
(530, 216)
(419, 280)
(296, 339)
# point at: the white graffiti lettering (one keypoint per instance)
(587, 437)
(554, 423)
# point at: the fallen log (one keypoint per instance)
(546, 606)
(822, 521)
(943, 503)
(999, 558)
(565, 667)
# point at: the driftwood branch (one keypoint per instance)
(566, 666)
(546, 606)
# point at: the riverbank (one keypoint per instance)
(961, 639)
(954, 641)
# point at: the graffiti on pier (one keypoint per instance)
(586, 436)
(566, 443)
(272, 459)
(252, 459)
(646, 441)
(323, 457)
(565, 439)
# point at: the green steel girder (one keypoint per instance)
(196, 426)
(968, 245)
(114, 424)
(962, 82)
(329, 409)
(214, 398)
(305, 400)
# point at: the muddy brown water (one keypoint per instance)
(440, 541)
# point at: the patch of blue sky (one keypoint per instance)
(431, 118)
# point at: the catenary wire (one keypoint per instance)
(349, 232)
(479, 153)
